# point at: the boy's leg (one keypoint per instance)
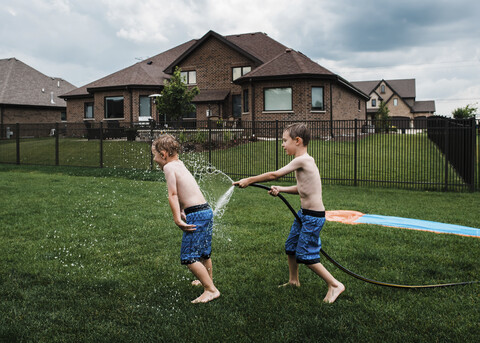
(290, 247)
(335, 287)
(293, 279)
(208, 265)
(210, 291)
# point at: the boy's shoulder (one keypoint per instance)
(305, 158)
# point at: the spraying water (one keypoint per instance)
(215, 184)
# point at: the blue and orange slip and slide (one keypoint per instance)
(355, 217)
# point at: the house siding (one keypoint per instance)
(24, 115)
(345, 103)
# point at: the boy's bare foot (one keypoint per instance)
(333, 293)
(196, 283)
(206, 297)
(288, 284)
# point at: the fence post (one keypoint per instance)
(355, 155)
(101, 144)
(152, 126)
(446, 153)
(17, 141)
(276, 144)
(56, 144)
(472, 156)
(209, 141)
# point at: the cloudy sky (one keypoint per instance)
(437, 42)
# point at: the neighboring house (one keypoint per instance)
(240, 77)
(28, 96)
(399, 96)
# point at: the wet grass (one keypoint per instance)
(92, 255)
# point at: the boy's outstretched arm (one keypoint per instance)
(275, 190)
(258, 178)
(270, 176)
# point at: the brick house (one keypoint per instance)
(400, 98)
(28, 96)
(240, 77)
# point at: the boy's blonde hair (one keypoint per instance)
(168, 143)
(299, 130)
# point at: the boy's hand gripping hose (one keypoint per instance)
(349, 272)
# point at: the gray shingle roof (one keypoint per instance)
(211, 95)
(21, 84)
(405, 88)
(149, 72)
(288, 63)
(424, 106)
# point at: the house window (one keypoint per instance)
(114, 107)
(277, 99)
(237, 105)
(191, 115)
(382, 89)
(189, 77)
(374, 102)
(317, 99)
(145, 111)
(63, 116)
(395, 102)
(239, 72)
(88, 110)
(245, 100)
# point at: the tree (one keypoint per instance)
(464, 112)
(176, 98)
(383, 115)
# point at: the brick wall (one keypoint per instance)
(24, 115)
(345, 103)
(213, 61)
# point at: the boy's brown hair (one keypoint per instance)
(168, 143)
(299, 130)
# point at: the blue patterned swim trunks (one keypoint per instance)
(197, 245)
(304, 238)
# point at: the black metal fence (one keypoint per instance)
(431, 154)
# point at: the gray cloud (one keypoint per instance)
(435, 42)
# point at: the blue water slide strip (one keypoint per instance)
(418, 224)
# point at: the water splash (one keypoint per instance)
(215, 184)
(222, 202)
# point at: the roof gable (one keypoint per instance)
(405, 88)
(257, 47)
(21, 84)
(288, 63)
(149, 72)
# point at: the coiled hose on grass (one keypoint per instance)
(349, 272)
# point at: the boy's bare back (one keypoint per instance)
(178, 177)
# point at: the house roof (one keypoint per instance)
(424, 106)
(256, 46)
(293, 64)
(289, 63)
(211, 95)
(149, 72)
(405, 88)
(23, 85)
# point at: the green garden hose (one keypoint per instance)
(349, 272)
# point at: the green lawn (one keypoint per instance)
(92, 255)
